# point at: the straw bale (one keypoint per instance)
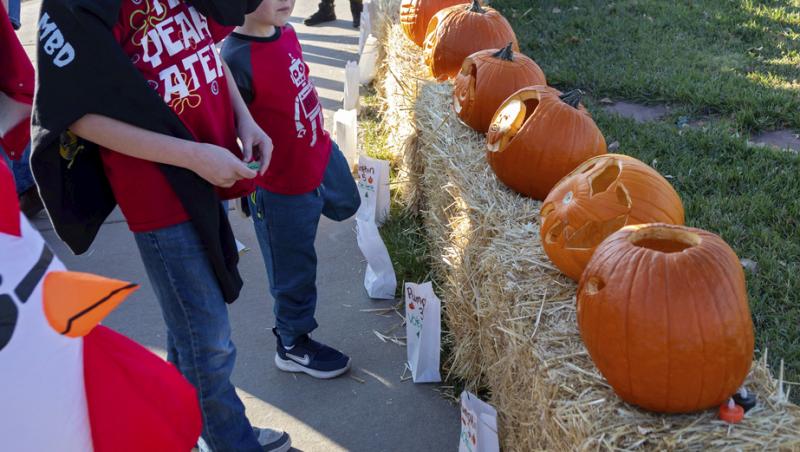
(401, 73)
(511, 315)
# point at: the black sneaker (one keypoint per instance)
(273, 440)
(325, 13)
(311, 357)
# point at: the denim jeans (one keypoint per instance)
(198, 332)
(286, 226)
(21, 169)
(14, 13)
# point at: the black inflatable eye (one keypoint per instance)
(26, 287)
(8, 319)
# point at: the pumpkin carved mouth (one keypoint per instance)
(664, 239)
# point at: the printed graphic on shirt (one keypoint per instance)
(306, 104)
(179, 47)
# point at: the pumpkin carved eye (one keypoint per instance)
(603, 180)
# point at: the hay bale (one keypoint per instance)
(401, 73)
(511, 314)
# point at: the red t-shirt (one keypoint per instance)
(273, 79)
(16, 81)
(173, 46)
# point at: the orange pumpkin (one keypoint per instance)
(415, 15)
(595, 200)
(663, 312)
(457, 32)
(538, 136)
(486, 79)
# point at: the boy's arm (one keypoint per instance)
(251, 135)
(213, 163)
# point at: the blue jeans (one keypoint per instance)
(14, 13)
(198, 332)
(286, 226)
(21, 169)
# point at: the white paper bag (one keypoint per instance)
(478, 425)
(423, 332)
(345, 133)
(366, 28)
(351, 84)
(375, 17)
(373, 182)
(379, 279)
(368, 63)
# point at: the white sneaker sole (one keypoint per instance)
(288, 365)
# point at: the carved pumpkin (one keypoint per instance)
(459, 31)
(415, 15)
(595, 200)
(663, 312)
(538, 136)
(486, 79)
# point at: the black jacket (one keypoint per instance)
(82, 69)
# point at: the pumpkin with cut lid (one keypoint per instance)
(487, 78)
(457, 32)
(538, 136)
(663, 312)
(598, 198)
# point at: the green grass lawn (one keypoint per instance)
(402, 233)
(737, 58)
(751, 198)
(737, 61)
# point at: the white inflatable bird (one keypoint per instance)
(67, 384)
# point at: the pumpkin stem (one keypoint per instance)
(572, 98)
(476, 7)
(506, 53)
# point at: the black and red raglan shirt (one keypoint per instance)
(274, 81)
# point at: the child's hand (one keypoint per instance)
(218, 166)
(264, 156)
(255, 144)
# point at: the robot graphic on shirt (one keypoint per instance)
(306, 104)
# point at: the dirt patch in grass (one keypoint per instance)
(779, 139)
(638, 112)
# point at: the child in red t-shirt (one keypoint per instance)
(172, 45)
(308, 176)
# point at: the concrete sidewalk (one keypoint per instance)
(379, 414)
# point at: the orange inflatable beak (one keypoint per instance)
(74, 303)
